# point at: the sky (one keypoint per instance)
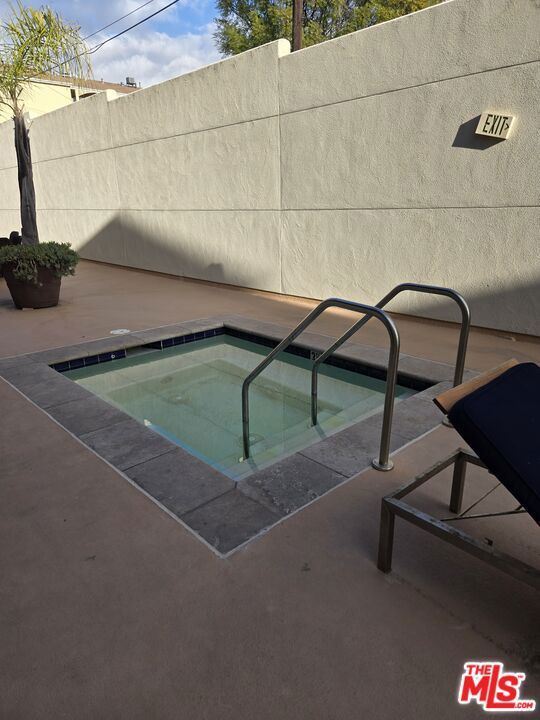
(176, 41)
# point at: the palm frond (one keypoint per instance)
(38, 43)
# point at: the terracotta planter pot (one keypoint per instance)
(27, 295)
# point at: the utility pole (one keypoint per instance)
(297, 18)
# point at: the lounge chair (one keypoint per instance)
(498, 415)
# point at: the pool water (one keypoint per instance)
(191, 394)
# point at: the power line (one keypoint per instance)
(106, 27)
(108, 40)
(114, 22)
(123, 32)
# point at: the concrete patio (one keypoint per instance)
(109, 608)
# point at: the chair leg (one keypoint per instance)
(458, 484)
(386, 538)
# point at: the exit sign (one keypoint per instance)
(495, 125)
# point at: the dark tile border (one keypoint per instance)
(225, 513)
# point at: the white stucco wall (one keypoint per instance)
(342, 169)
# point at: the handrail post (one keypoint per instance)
(314, 392)
(413, 287)
(245, 423)
(313, 315)
(383, 462)
(463, 340)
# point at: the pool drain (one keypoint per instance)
(253, 438)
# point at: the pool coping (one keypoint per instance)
(224, 513)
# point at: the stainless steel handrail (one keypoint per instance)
(383, 463)
(414, 287)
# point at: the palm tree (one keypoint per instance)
(33, 44)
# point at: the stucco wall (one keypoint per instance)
(343, 169)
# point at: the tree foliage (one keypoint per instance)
(34, 43)
(245, 24)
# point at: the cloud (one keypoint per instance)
(176, 41)
(93, 14)
(153, 56)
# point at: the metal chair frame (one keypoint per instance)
(393, 506)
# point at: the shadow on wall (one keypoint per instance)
(509, 309)
(466, 137)
(123, 242)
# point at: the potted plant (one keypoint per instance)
(33, 273)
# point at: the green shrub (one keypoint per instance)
(24, 260)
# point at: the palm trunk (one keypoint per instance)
(26, 182)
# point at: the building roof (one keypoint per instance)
(88, 83)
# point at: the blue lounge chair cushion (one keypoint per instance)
(501, 423)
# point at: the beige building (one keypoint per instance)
(50, 93)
